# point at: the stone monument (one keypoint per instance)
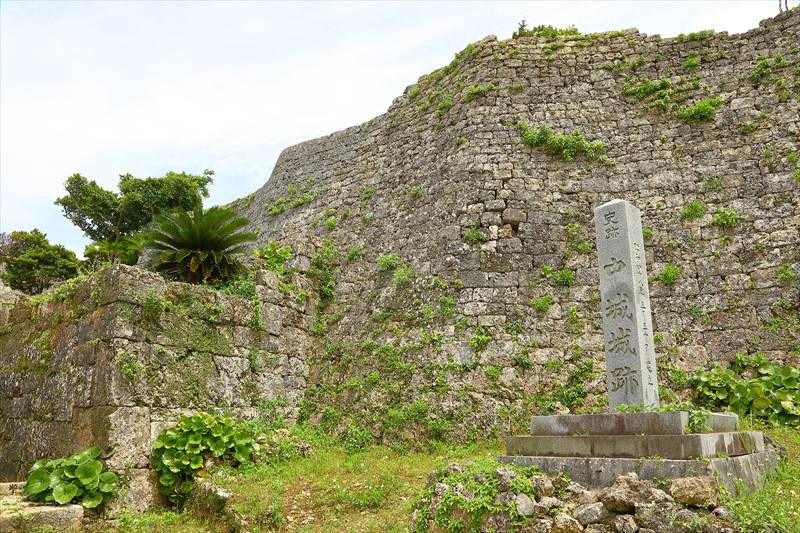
(595, 448)
(625, 306)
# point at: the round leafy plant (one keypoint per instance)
(180, 452)
(80, 478)
(773, 393)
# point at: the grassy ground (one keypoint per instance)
(777, 505)
(373, 490)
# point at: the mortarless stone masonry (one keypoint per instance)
(449, 343)
(419, 179)
(128, 354)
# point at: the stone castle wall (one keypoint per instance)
(121, 355)
(457, 339)
(416, 179)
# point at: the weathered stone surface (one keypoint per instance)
(687, 446)
(129, 354)
(563, 523)
(667, 423)
(696, 491)
(661, 164)
(601, 472)
(625, 305)
(17, 514)
(625, 523)
(591, 513)
(542, 486)
(524, 505)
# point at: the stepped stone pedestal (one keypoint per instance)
(595, 449)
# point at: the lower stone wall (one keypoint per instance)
(114, 359)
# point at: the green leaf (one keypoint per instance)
(92, 453)
(91, 499)
(38, 481)
(197, 462)
(89, 473)
(64, 492)
(108, 482)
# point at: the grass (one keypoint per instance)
(777, 505)
(372, 490)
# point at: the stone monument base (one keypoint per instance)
(594, 449)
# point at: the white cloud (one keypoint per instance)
(109, 88)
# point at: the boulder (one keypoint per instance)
(625, 523)
(542, 486)
(563, 523)
(592, 513)
(695, 491)
(525, 506)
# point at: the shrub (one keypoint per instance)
(478, 91)
(273, 257)
(726, 218)
(199, 247)
(444, 105)
(413, 92)
(548, 32)
(669, 275)
(693, 210)
(772, 394)
(323, 269)
(414, 193)
(480, 340)
(180, 452)
(388, 261)
(567, 147)
(80, 478)
(32, 264)
(356, 438)
(125, 250)
(692, 62)
(786, 274)
(355, 253)
(457, 499)
(404, 275)
(474, 236)
(542, 304)
(561, 278)
(703, 111)
(242, 286)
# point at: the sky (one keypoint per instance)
(109, 88)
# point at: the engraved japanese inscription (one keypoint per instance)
(625, 306)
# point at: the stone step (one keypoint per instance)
(690, 446)
(18, 514)
(13, 487)
(750, 469)
(667, 423)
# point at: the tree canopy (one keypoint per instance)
(105, 215)
(32, 263)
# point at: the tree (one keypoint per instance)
(32, 264)
(109, 216)
(200, 246)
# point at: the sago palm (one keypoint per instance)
(199, 246)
